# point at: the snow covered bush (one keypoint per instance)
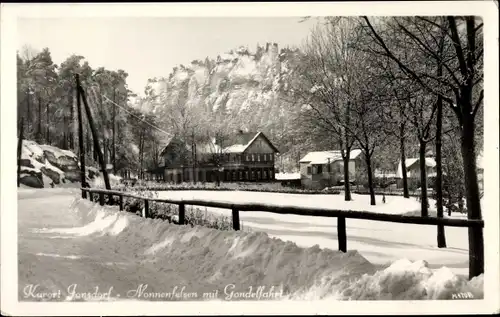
(252, 187)
(194, 216)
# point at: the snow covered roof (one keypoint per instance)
(384, 174)
(240, 142)
(429, 162)
(236, 148)
(323, 157)
(287, 176)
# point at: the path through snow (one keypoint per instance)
(72, 249)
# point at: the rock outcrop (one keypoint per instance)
(48, 166)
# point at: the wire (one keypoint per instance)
(133, 115)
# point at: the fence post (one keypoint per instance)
(146, 208)
(476, 252)
(90, 195)
(101, 199)
(236, 219)
(182, 213)
(121, 202)
(341, 234)
(111, 200)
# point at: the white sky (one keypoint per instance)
(151, 47)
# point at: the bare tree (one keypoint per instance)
(460, 87)
(327, 85)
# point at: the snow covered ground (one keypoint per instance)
(69, 246)
(381, 243)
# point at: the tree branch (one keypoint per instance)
(478, 103)
(458, 47)
(401, 65)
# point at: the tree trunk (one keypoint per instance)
(47, 130)
(406, 192)
(95, 151)
(105, 148)
(476, 246)
(113, 144)
(423, 180)
(89, 143)
(347, 189)
(80, 138)
(370, 179)
(449, 203)
(39, 126)
(141, 147)
(71, 125)
(28, 115)
(441, 239)
(67, 121)
(20, 151)
(347, 186)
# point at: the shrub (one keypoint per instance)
(170, 212)
(252, 187)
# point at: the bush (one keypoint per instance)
(170, 212)
(252, 187)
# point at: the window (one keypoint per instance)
(265, 157)
(272, 157)
(265, 174)
(248, 158)
(241, 175)
(253, 158)
(319, 169)
(258, 157)
(309, 170)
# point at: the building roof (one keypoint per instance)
(323, 157)
(384, 174)
(429, 162)
(287, 176)
(240, 142)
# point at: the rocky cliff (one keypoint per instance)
(249, 89)
(45, 166)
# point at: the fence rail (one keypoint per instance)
(341, 215)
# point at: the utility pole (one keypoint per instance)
(95, 138)
(80, 137)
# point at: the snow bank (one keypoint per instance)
(214, 259)
(405, 280)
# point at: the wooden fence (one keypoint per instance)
(341, 215)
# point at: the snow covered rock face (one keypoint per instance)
(238, 82)
(47, 166)
(64, 160)
(31, 178)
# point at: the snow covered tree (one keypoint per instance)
(460, 86)
(326, 85)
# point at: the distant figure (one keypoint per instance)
(383, 198)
